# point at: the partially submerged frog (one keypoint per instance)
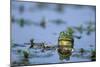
(66, 43)
(66, 40)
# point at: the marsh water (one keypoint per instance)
(27, 24)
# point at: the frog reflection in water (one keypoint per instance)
(65, 49)
(64, 55)
(65, 44)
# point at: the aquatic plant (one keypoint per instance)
(90, 28)
(93, 55)
(69, 31)
(25, 54)
(32, 43)
(58, 21)
(21, 8)
(79, 28)
(22, 22)
(78, 37)
(19, 51)
(81, 51)
(43, 22)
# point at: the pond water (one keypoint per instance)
(27, 24)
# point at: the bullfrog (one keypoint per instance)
(66, 40)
